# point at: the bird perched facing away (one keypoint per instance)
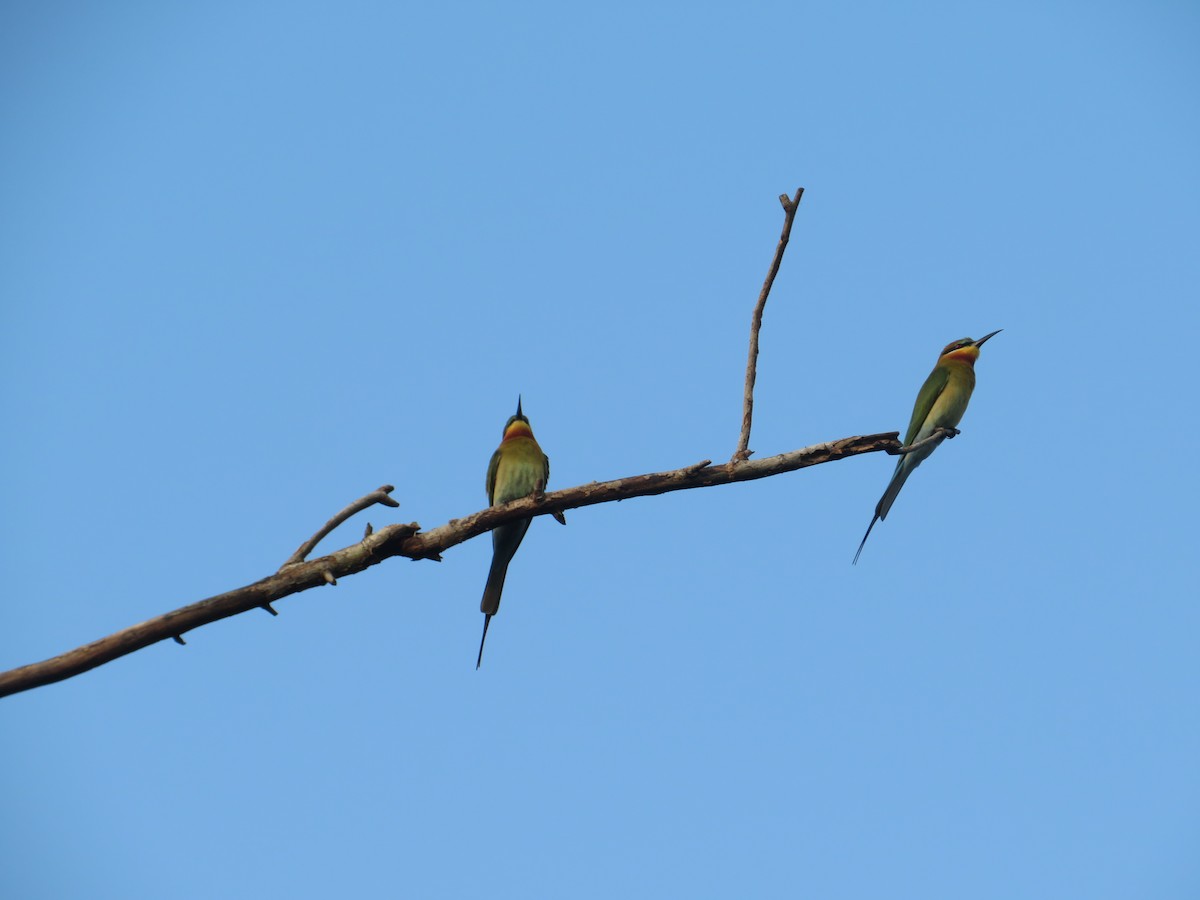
(941, 404)
(518, 469)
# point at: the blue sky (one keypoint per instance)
(258, 259)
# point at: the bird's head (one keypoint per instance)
(967, 349)
(517, 425)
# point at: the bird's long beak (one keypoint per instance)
(519, 416)
(979, 343)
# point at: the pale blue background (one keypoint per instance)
(258, 258)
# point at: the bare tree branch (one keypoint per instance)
(790, 205)
(379, 495)
(410, 541)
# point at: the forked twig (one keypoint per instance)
(379, 495)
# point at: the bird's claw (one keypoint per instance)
(539, 496)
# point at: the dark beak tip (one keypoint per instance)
(987, 337)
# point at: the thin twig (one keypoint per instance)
(379, 495)
(936, 437)
(408, 540)
(790, 204)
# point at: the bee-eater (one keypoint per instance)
(518, 469)
(941, 404)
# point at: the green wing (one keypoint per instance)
(930, 391)
(546, 476)
(491, 476)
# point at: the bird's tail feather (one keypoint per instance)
(893, 489)
(479, 659)
(505, 541)
(886, 501)
(863, 542)
(490, 603)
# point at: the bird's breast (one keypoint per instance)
(950, 405)
(520, 469)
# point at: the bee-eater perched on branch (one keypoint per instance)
(518, 468)
(941, 404)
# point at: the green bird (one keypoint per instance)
(941, 404)
(518, 468)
